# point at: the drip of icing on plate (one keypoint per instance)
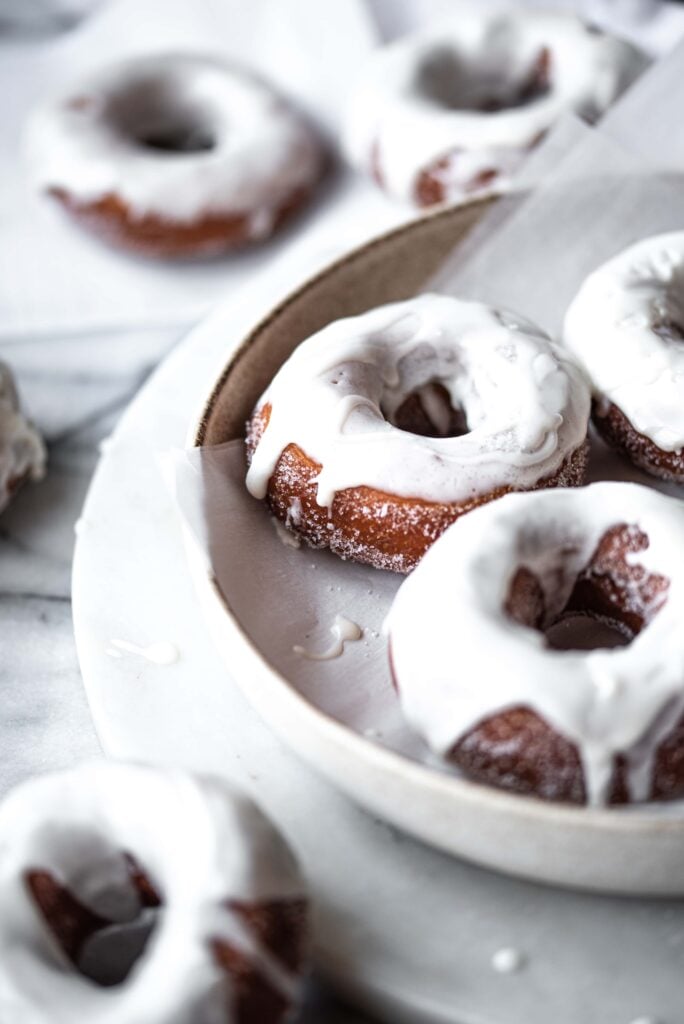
(508, 960)
(160, 653)
(343, 630)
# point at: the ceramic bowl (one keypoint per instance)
(635, 850)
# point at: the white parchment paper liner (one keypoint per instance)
(286, 595)
(581, 197)
(530, 254)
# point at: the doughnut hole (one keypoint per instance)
(611, 600)
(100, 942)
(429, 412)
(151, 114)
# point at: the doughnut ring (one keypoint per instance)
(492, 671)
(451, 112)
(87, 854)
(626, 328)
(177, 155)
(382, 429)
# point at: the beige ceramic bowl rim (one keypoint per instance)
(622, 820)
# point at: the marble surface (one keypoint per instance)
(193, 713)
(76, 389)
(76, 383)
(83, 328)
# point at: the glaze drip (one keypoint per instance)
(524, 406)
(343, 630)
(608, 702)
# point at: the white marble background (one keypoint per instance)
(75, 380)
(78, 387)
(76, 383)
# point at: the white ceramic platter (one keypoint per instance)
(408, 931)
(327, 712)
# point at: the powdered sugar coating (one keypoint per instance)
(605, 701)
(251, 150)
(22, 452)
(378, 529)
(335, 469)
(447, 95)
(526, 405)
(617, 431)
(626, 327)
(201, 845)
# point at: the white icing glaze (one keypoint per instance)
(200, 844)
(286, 537)
(86, 140)
(395, 122)
(526, 404)
(614, 326)
(508, 960)
(605, 701)
(343, 630)
(163, 652)
(22, 452)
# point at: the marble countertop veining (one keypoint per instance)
(76, 385)
(75, 389)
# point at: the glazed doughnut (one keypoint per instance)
(175, 155)
(451, 112)
(381, 429)
(486, 675)
(22, 452)
(88, 853)
(626, 327)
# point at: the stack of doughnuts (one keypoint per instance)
(194, 873)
